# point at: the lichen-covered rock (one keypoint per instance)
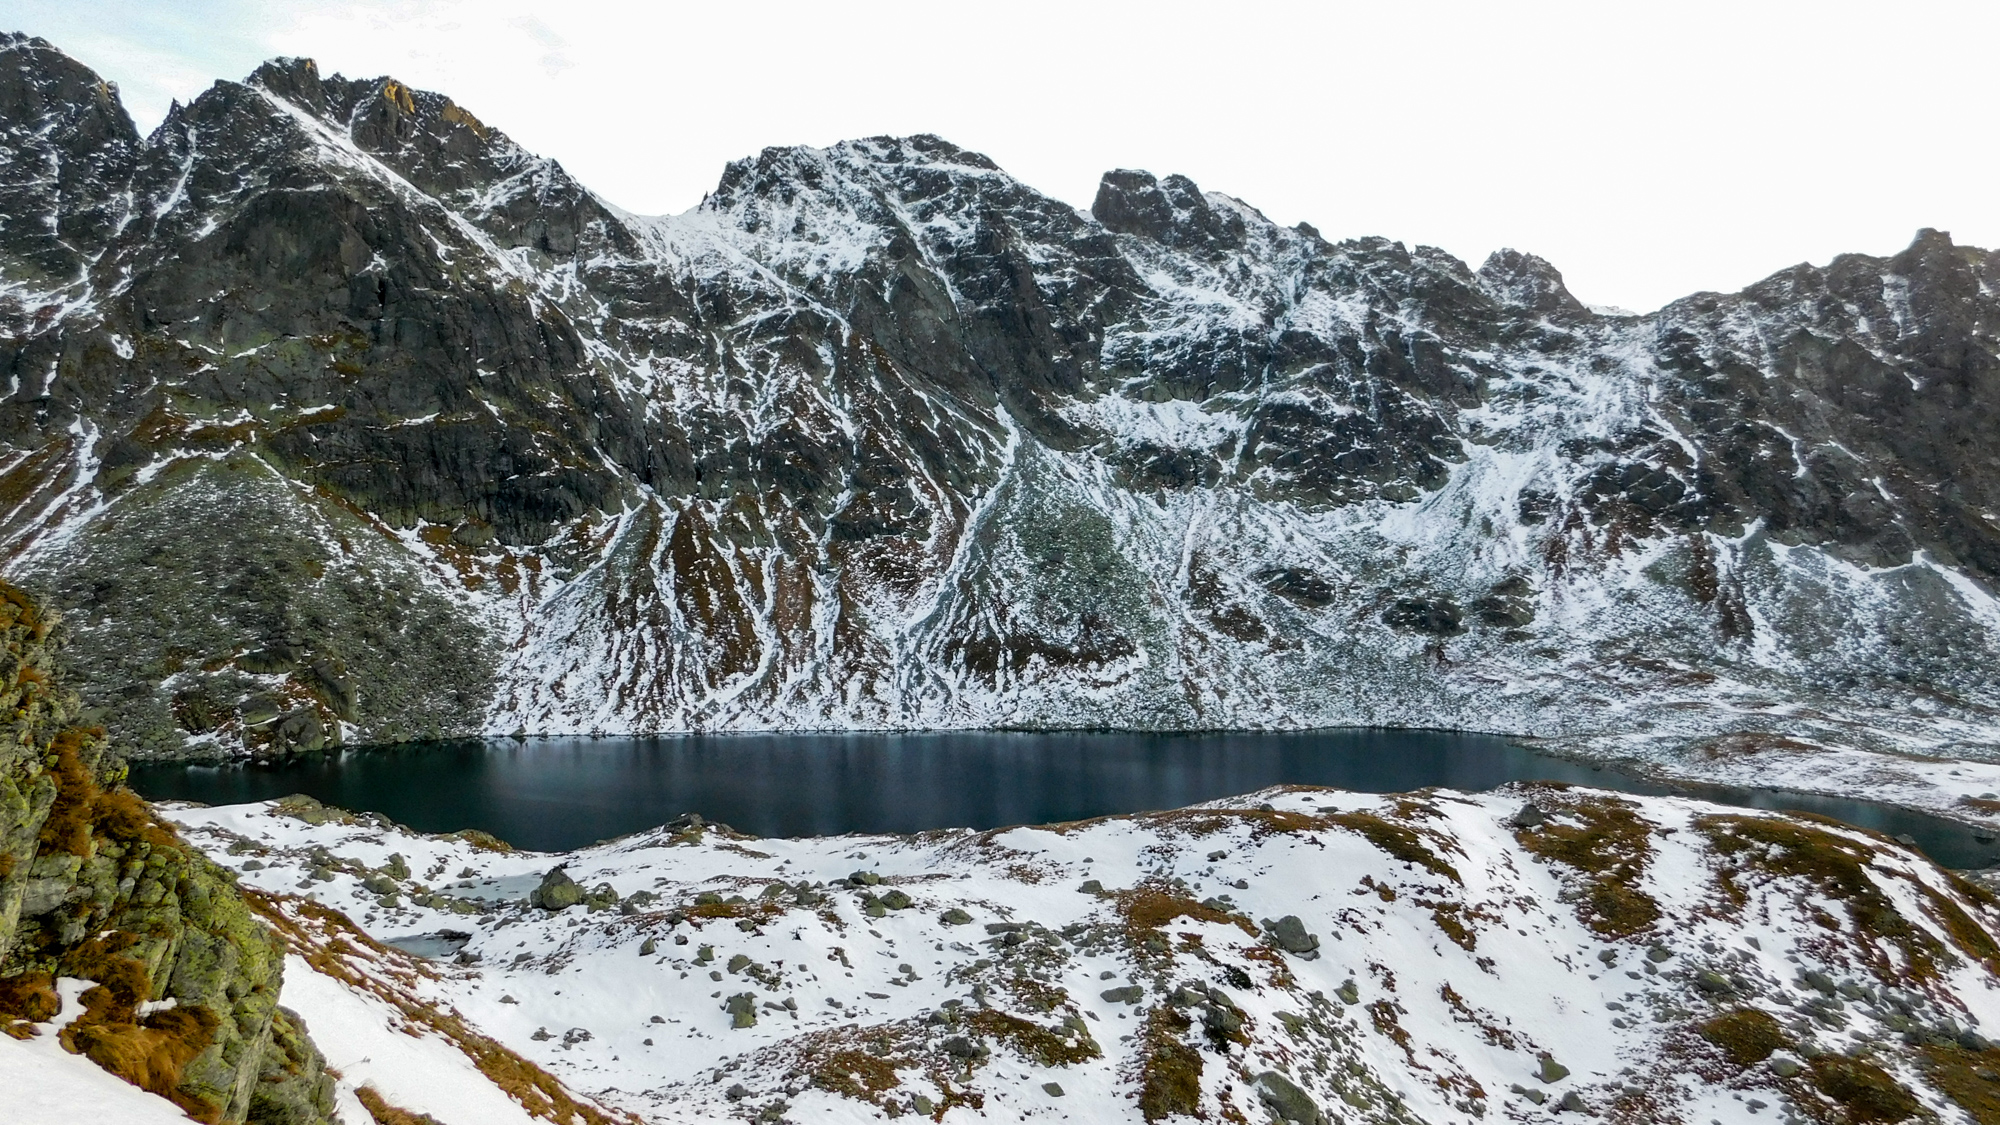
(557, 891)
(1286, 1101)
(92, 885)
(1289, 934)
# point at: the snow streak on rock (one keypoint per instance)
(337, 415)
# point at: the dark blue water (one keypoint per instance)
(556, 794)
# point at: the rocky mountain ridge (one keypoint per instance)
(335, 415)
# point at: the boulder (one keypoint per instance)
(1289, 934)
(1286, 1101)
(557, 891)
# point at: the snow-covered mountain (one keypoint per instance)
(334, 414)
(1306, 956)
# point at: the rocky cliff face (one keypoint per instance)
(333, 414)
(93, 886)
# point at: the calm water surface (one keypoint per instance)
(561, 793)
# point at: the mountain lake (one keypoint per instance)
(555, 794)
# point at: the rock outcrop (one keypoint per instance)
(94, 886)
(332, 414)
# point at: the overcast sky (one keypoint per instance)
(1648, 149)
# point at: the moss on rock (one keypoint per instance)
(99, 888)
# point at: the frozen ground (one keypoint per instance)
(1399, 958)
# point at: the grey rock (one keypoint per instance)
(1712, 982)
(557, 891)
(1289, 934)
(1286, 1101)
(1530, 816)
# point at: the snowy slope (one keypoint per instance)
(878, 436)
(47, 1085)
(1435, 957)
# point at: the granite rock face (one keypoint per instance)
(92, 885)
(335, 415)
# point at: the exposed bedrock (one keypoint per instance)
(333, 415)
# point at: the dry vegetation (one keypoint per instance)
(333, 945)
(1169, 1069)
(386, 1113)
(1608, 847)
(1837, 868)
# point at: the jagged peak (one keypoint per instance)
(1526, 281)
(297, 80)
(1172, 210)
(45, 81)
(784, 169)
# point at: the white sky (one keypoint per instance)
(1647, 149)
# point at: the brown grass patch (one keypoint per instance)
(386, 1113)
(29, 996)
(1448, 918)
(1610, 849)
(1865, 1091)
(1971, 938)
(1835, 867)
(1385, 1017)
(1169, 1069)
(1152, 905)
(124, 816)
(151, 1053)
(484, 841)
(858, 1074)
(1046, 1046)
(1207, 822)
(1398, 840)
(1463, 1012)
(122, 983)
(67, 829)
(1958, 1072)
(1746, 1035)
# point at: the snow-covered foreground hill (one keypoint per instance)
(1529, 954)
